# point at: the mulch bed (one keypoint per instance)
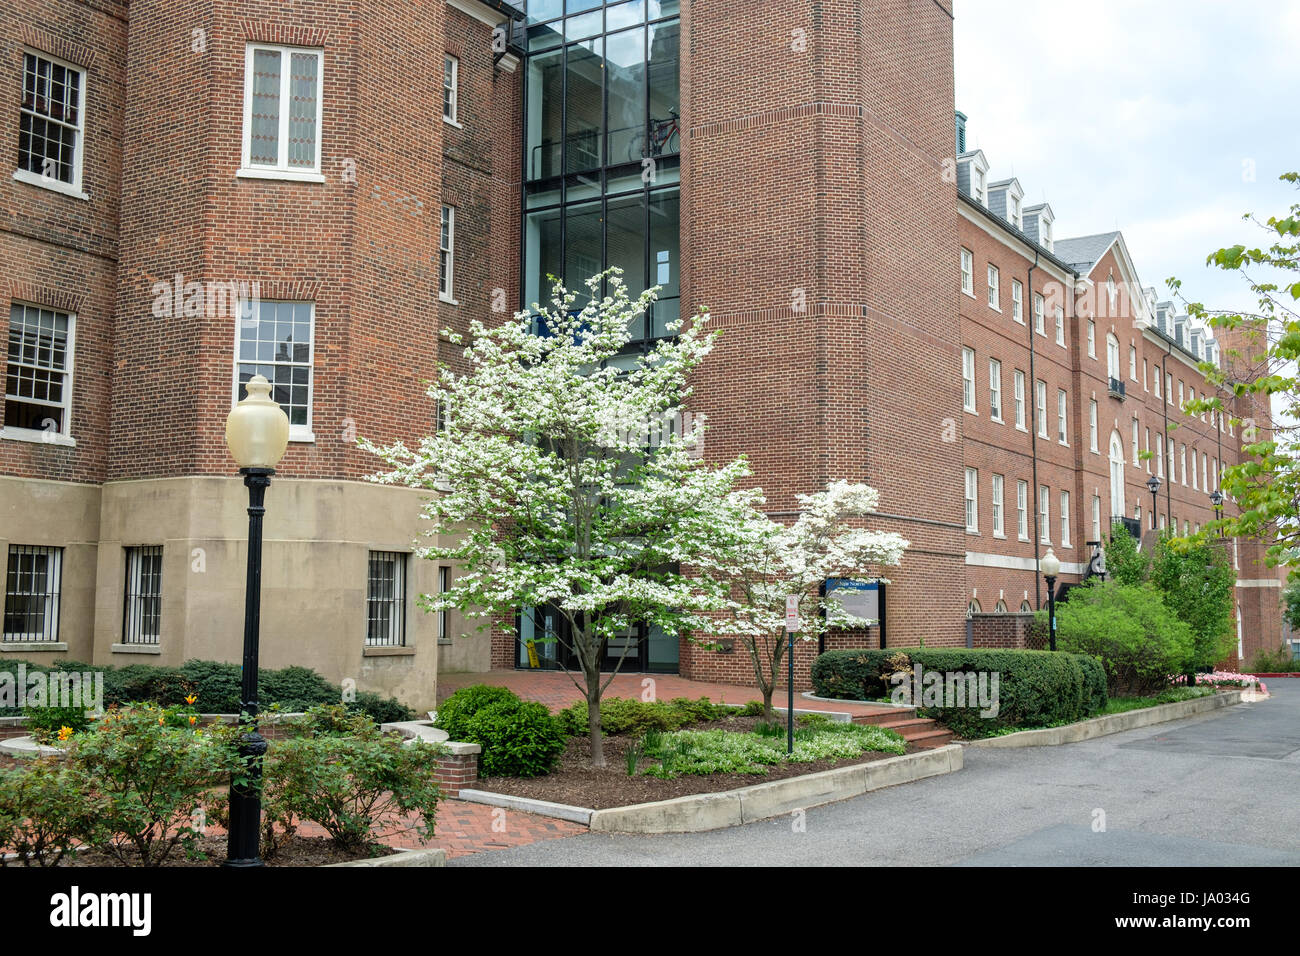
(575, 783)
(298, 851)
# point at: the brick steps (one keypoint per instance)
(923, 732)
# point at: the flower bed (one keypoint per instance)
(1228, 680)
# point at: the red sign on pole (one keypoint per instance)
(792, 613)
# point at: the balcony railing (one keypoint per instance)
(1116, 389)
(1133, 525)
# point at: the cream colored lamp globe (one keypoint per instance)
(1051, 564)
(257, 430)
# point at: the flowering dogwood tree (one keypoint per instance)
(771, 561)
(569, 485)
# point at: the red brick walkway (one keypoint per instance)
(557, 691)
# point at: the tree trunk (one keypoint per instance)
(593, 718)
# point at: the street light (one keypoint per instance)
(257, 432)
(1051, 566)
(1153, 483)
(1216, 499)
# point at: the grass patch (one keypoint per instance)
(1120, 705)
(700, 752)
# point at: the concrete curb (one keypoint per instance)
(1112, 723)
(713, 811)
(561, 811)
(27, 747)
(809, 695)
(431, 856)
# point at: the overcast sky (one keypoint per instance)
(1164, 119)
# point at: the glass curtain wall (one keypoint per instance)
(602, 139)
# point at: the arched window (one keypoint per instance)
(1117, 508)
(1112, 356)
(1000, 607)
(973, 607)
(1025, 607)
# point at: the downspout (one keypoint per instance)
(1034, 428)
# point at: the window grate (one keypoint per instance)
(142, 604)
(32, 579)
(386, 600)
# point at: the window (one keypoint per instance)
(1181, 402)
(1172, 472)
(1096, 517)
(972, 505)
(32, 579)
(1062, 435)
(1169, 388)
(282, 113)
(1026, 607)
(1112, 356)
(386, 600)
(998, 530)
(1156, 382)
(1022, 510)
(1060, 326)
(1017, 301)
(51, 123)
(1116, 475)
(968, 379)
(980, 192)
(1214, 471)
(1015, 211)
(1133, 362)
(1065, 519)
(1160, 455)
(1182, 461)
(967, 272)
(1018, 394)
(1040, 402)
(38, 387)
(973, 608)
(1092, 339)
(275, 340)
(1000, 607)
(1146, 446)
(1195, 486)
(446, 253)
(995, 390)
(1045, 514)
(1136, 450)
(1038, 313)
(443, 574)
(1145, 380)
(1205, 474)
(995, 297)
(142, 601)
(1092, 426)
(450, 88)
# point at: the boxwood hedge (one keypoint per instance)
(1035, 688)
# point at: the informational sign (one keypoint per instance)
(792, 613)
(859, 598)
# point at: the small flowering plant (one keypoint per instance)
(1226, 679)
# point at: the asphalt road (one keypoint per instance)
(1220, 789)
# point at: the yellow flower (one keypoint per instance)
(193, 720)
(190, 699)
(160, 720)
(65, 732)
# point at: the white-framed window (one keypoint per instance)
(1132, 362)
(142, 595)
(1160, 455)
(1163, 523)
(51, 125)
(1182, 404)
(450, 89)
(274, 339)
(33, 576)
(38, 374)
(1038, 314)
(1065, 519)
(1040, 402)
(1112, 357)
(1015, 210)
(444, 575)
(1156, 382)
(968, 379)
(1136, 450)
(1096, 517)
(1195, 485)
(1000, 607)
(998, 530)
(1145, 379)
(1060, 326)
(1214, 470)
(995, 294)
(972, 500)
(446, 253)
(1044, 514)
(1092, 339)
(1146, 447)
(968, 272)
(1172, 472)
(1018, 395)
(981, 193)
(1169, 388)
(1062, 433)
(1205, 472)
(386, 599)
(1182, 461)
(1017, 301)
(1092, 427)
(995, 390)
(1022, 510)
(283, 109)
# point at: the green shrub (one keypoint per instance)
(45, 723)
(1131, 630)
(519, 738)
(1034, 689)
(216, 684)
(621, 716)
(339, 770)
(455, 712)
(297, 688)
(699, 752)
(382, 710)
(1279, 661)
(46, 808)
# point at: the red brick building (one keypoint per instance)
(310, 191)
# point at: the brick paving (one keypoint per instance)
(557, 691)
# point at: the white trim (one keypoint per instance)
(448, 296)
(478, 12)
(53, 185)
(288, 175)
(73, 188)
(37, 437)
(980, 559)
(281, 169)
(1258, 583)
(454, 118)
(63, 436)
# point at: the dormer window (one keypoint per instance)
(1046, 236)
(979, 186)
(1014, 218)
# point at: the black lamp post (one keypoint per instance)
(257, 432)
(1051, 566)
(1216, 499)
(1153, 483)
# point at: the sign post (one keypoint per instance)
(791, 626)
